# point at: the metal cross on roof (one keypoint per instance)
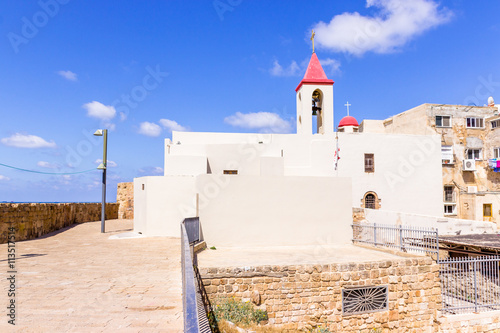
(312, 38)
(348, 105)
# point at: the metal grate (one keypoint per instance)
(360, 300)
(370, 201)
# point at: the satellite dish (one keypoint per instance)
(491, 101)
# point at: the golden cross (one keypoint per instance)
(312, 38)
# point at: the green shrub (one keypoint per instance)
(238, 312)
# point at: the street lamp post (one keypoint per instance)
(102, 166)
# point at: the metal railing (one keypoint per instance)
(470, 284)
(401, 238)
(195, 314)
(192, 225)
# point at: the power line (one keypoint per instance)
(46, 173)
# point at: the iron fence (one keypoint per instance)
(401, 238)
(470, 284)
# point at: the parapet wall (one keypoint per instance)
(33, 220)
(311, 295)
(125, 198)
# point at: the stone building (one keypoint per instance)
(470, 148)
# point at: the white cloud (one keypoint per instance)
(48, 165)
(68, 75)
(149, 129)
(172, 125)
(27, 141)
(109, 126)
(330, 66)
(99, 110)
(66, 179)
(151, 171)
(396, 23)
(4, 178)
(111, 164)
(292, 70)
(266, 122)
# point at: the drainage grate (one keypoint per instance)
(359, 300)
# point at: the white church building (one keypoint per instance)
(289, 189)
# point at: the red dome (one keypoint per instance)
(348, 121)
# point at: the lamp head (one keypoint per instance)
(98, 132)
(101, 167)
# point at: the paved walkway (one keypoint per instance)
(79, 280)
(288, 255)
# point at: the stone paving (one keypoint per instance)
(288, 255)
(79, 280)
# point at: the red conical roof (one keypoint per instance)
(348, 121)
(314, 73)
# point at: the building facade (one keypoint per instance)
(470, 148)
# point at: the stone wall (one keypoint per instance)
(311, 295)
(358, 214)
(485, 322)
(125, 198)
(33, 220)
(308, 296)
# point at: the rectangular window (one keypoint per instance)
(443, 121)
(369, 163)
(495, 124)
(496, 152)
(474, 154)
(447, 154)
(487, 211)
(450, 209)
(230, 172)
(449, 194)
(475, 122)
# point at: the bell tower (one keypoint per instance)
(315, 99)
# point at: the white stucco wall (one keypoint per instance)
(445, 226)
(176, 165)
(274, 211)
(407, 175)
(163, 204)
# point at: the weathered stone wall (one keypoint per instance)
(125, 198)
(311, 295)
(33, 220)
(484, 322)
(358, 214)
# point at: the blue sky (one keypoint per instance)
(144, 68)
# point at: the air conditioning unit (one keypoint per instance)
(469, 165)
(471, 189)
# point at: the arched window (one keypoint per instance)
(370, 200)
(317, 106)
